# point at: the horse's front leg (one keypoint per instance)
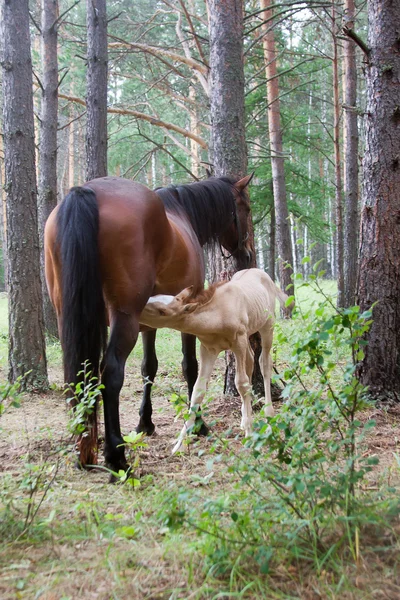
(190, 370)
(149, 371)
(124, 333)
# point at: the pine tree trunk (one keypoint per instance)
(338, 170)
(277, 158)
(351, 225)
(3, 223)
(379, 279)
(272, 242)
(48, 142)
(227, 118)
(96, 98)
(27, 352)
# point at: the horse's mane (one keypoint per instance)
(209, 205)
(204, 296)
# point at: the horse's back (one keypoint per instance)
(133, 234)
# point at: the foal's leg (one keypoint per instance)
(207, 362)
(124, 333)
(190, 371)
(249, 361)
(243, 382)
(149, 371)
(267, 333)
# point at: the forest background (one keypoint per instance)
(159, 117)
(302, 510)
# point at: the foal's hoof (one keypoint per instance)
(148, 429)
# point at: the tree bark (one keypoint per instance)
(379, 279)
(27, 351)
(96, 98)
(272, 244)
(277, 158)
(48, 142)
(227, 119)
(3, 223)
(351, 225)
(227, 88)
(338, 170)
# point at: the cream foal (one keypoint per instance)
(223, 317)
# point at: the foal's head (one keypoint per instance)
(165, 311)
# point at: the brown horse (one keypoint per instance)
(109, 246)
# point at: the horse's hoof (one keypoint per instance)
(115, 478)
(147, 429)
(201, 429)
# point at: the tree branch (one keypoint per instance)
(143, 117)
(160, 147)
(160, 53)
(196, 39)
(59, 19)
(348, 31)
(34, 22)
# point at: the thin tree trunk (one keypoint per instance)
(277, 157)
(272, 244)
(27, 350)
(96, 98)
(379, 278)
(48, 142)
(338, 170)
(71, 149)
(351, 225)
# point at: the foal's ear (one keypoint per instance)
(186, 293)
(244, 182)
(189, 308)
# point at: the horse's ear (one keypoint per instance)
(208, 173)
(244, 182)
(186, 293)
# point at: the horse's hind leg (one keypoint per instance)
(149, 372)
(124, 333)
(190, 371)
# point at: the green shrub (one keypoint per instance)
(297, 488)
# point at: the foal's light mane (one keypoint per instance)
(204, 296)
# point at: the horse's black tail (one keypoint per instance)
(83, 318)
(83, 326)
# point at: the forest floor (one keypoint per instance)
(92, 540)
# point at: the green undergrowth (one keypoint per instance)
(298, 494)
(300, 510)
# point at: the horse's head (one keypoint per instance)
(235, 237)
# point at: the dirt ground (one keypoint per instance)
(41, 423)
(39, 426)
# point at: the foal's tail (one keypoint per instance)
(83, 319)
(282, 297)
